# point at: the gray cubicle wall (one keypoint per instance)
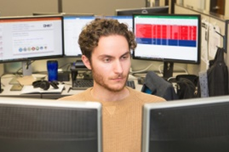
(26, 7)
(100, 7)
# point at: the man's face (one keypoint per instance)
(110, 62)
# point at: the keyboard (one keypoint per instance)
(83, 84)
(130, 83)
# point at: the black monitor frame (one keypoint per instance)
(190, 125)
(50, 125)
(72, 41)
(126, 19)
(158, 43)
(143, 10)
(62, 13)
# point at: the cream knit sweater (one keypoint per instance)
(122, 120)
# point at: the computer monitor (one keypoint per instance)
(128, 20)
(46, 13)
(73, 26)
(27, 38)
(42, 125)
(168, 38)
(63, 13)
(189, 125)
(144, 10)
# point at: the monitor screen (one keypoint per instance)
(73, 26)
(144, 10)
(167, 37)
(41, 125)
(30, 38)
(189, 125)
(128, 20)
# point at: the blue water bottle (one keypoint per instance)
(52, 67)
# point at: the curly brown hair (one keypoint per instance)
(90, 35)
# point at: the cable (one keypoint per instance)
(66, 64)
(133, 72)
(159, 68)
(27, 66)
(183, 69)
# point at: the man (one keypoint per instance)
(105, 45)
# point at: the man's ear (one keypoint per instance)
(86, 62)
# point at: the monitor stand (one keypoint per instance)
(168, 70)
(26, 70)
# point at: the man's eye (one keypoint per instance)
(106, 59)
(124, 57)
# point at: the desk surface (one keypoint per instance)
(6, 89)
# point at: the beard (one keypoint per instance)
(99, 80)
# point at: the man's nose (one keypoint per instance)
(118, 67)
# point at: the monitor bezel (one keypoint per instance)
(58, 104)
(38, 57)
(73, 16)
(197, 61)
(142, 10)
(148, 107)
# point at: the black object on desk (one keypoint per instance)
(63, 76)
(141, 80)
(130, 83)
(82, 84)
(43, 84)
(75, 67)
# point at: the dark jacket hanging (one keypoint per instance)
(218, 75)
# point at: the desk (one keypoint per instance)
(7, 93)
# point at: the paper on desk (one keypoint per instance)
(31, 89)
(26, 80)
